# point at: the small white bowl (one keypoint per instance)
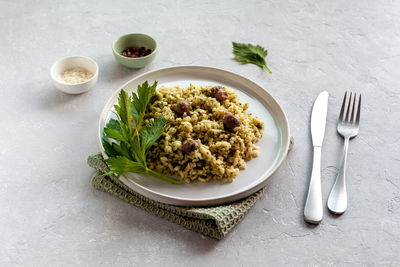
(72, 62)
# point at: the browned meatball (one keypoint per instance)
(181, 107)
(189, 146)
(219, 93)
(230, 121)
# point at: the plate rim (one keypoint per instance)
(210, 201)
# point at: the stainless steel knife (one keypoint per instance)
(313, 208)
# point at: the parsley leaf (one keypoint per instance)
(123, 108)
(132, 139)
(136, 150)
(134, 113)
(248, 53)
(114, 124)
(122, 149)
(141, 99)
(110, 151)
(151, 132)
(121, 165)
(114, 134)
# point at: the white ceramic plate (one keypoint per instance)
(273, 145)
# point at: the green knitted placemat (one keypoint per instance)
(214, 221)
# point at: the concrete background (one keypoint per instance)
(50, 215)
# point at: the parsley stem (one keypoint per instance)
(163, 177)
(267, 69)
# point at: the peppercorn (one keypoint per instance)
(136, 52)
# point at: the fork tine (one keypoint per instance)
(358, 111)
(348, 108)
(342, 109)
(352, 117)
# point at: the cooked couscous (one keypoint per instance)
(209, 135)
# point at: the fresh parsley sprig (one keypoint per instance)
(132, 139)
(248, 53)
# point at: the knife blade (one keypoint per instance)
(313, 208)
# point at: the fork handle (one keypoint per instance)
(313, 208)
(337, 201)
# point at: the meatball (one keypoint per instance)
(189, 146)
(181, 107)
(219, 93)
(230, 121)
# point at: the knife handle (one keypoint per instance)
(313, 207)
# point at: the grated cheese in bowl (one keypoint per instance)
(75, 75)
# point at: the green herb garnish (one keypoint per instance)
(132, 138)
(248, 53)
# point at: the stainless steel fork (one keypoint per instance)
(348, 128)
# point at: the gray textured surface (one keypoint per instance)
(51, 216)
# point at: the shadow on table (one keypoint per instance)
(45, 96)
(129, 216)
(53, 98)
(110, 70)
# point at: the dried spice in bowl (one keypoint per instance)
(135, 52)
